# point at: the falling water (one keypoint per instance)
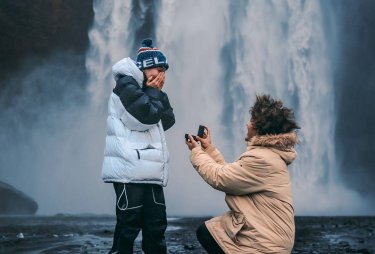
(226, 53)
(107, 39)
(287, 56)
(221, 55)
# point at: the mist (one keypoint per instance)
(47, 135)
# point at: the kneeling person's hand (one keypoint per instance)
(206, 140)
(191, 143)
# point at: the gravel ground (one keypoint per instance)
(93, 234)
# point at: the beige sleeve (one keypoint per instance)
(215, 154)
(242, 177)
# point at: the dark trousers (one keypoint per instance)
(139, 206)
(207, 241)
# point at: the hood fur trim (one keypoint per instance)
(284, 141)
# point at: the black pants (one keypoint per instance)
(139, 206)
(207, 241)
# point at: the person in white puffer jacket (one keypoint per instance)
(136, 155)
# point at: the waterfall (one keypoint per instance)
(221, 53)
(108, 45)
(287, 56)
(220, 56)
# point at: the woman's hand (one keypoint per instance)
(156, 82)
(191, 143)
(206, 140)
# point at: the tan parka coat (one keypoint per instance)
(258, 194)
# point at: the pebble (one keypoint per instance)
(364, 251)
(189, 247)
(344, 244)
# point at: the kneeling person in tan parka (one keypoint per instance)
(257, 185)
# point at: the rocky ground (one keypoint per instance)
(335, 235)
(92, 234)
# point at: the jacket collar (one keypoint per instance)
(283, 142)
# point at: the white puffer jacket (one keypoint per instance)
(136, 149)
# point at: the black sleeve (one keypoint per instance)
(144, 104)
(167, 117)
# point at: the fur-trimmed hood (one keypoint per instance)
(284, 141)
(282, 144)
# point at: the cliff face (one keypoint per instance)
(35, 28)
(355, 88)
(14, 202)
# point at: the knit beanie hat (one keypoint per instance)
(149, 57)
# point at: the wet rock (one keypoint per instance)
(38, 232)
(174, 249)
(15, 202)
(189, 247)
(350, 250)
(370, 232)
(344, 244)
(365, 251)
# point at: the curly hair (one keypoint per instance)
(269, 116)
